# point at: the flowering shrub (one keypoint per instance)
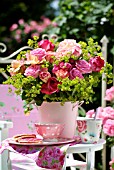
(20, 31)
(57, 71)
(107, 115)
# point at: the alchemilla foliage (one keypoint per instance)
(57, 71)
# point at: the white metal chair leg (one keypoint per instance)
(74, 164)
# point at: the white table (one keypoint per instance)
(89, 149)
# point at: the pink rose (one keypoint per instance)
(108, 127)
(44, 76)
(69, 46)
(17, 66)
(61, 70)
(62, 65)
(50, 87)
(47, 45)
(100, 113)
(83, 66)
(33, 71)
(109, 112)
(62, 73)
(36, 56)
(110, 94)
(81, 125)
(55, 68)
(75, 73)
(96, 63)
(105, 113)
(65, 65)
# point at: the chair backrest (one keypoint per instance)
(11, 109)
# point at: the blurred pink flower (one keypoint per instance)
(35, 34)
(105, 113)
(18, 31)
(109, 112)
(90, 113)
(108, 127)
(21, 21)
(27, 29)
(110, 94)
(13, 27)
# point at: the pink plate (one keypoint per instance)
(60, 141)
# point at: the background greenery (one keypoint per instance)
(78, 19)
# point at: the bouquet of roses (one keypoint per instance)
(57, 71)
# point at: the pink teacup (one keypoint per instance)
(89, 129)
(49, 131)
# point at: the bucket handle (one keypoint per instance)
(77, 104)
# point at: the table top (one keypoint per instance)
(82, 148)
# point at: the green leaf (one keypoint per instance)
(113, 165)
(2, 104)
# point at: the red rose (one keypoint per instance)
(47, 45)
(50, 87)
(96, 63)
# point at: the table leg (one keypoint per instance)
(90, 158)
(9, 162)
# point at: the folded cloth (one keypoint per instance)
(33, 156)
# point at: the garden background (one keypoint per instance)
(78, 19)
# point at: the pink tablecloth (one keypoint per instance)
(49, 157)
